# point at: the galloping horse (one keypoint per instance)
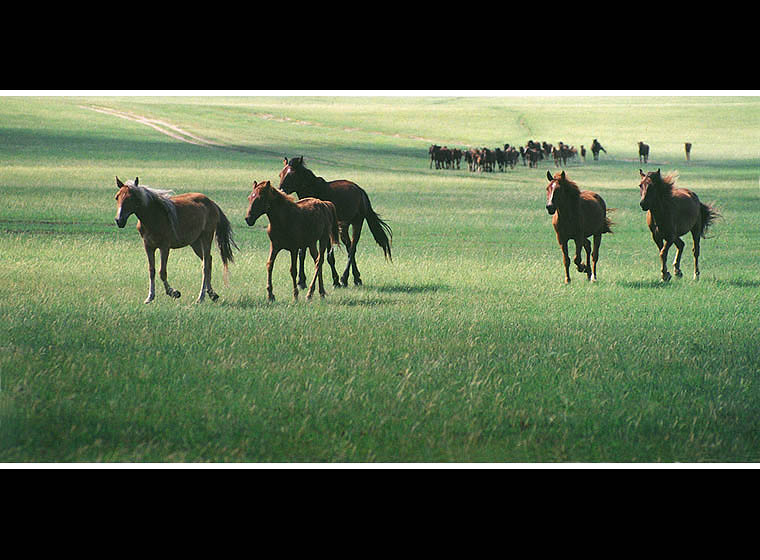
(643, 152)
(170, 222)
(293, 226)
(352, 205)
(671, 212)
(577, 215)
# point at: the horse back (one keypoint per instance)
(347, 198)
(196, 214)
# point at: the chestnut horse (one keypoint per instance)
(671, 213)
(577, 215)
(170, 222)
(352, 206)
(293, 226)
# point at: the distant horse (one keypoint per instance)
(643, 152)
(671, 212)
(687, 147)
(596, 147)
(353, 207)
(293, 226)
(170, 222)
(577, 215)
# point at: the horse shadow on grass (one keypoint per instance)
(659, 284)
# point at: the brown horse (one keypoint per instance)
(352, 206)
(293, 226)
(170, 222)
(671, 213)
(577, 215)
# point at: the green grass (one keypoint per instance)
(467, 348)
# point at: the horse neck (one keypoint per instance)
(151, 215)
(570, 206)
(281, 210)
(662, 208)
(312, 186)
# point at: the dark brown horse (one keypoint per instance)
(170, 222)
(671, 213)
(577, 215)
(293, 226)
(352, 205)
(643, 152)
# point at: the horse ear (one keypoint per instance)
(137, 180)
(658, 171)
(563, 174)
(285, 161)
(549, 175)
(119, 184)
(641, 173)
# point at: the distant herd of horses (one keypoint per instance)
(321, 217)
(489, 160)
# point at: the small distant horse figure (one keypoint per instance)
(671, 212)
(643, 152)
(170, 222)
(583, 153)
(596, 147)
(687, 147)
(352, 206)
(293, 226)
(577, 215)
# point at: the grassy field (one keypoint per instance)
(467, 348)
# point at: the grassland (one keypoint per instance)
(467, 348)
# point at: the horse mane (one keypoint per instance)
(148, 196)
(667, 184)
(300, 164)
(572, 187)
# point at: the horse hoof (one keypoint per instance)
(149, 300)
(270, 298)
(678, 272)
(357, 282)
(666, 277)
(176, 294)
(214, 297)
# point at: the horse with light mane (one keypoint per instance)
(169, 222)
(671, 213)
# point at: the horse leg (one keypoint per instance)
(677, 261)
(294, 271)
(322, 248)
(664, 259)
(565, 261)
(587, 248)
(579, 244)
(595, 254)
(301, 273)
(695, 234)
(356, 230)
(331, 262)
(317, 270)
(270, 264)
(162, 273)
(151, 252)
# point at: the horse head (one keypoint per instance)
(551, 190)
(126, 202)
(648, 187)
(259, 201)
(291, 174)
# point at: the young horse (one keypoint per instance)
(170, 222)
(293, 226)
(671, 212)
(577, 215)
(352, 206)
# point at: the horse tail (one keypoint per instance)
(381, 231)
(709, 215)
(607, 228)
(334, 233)
(225, 242)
